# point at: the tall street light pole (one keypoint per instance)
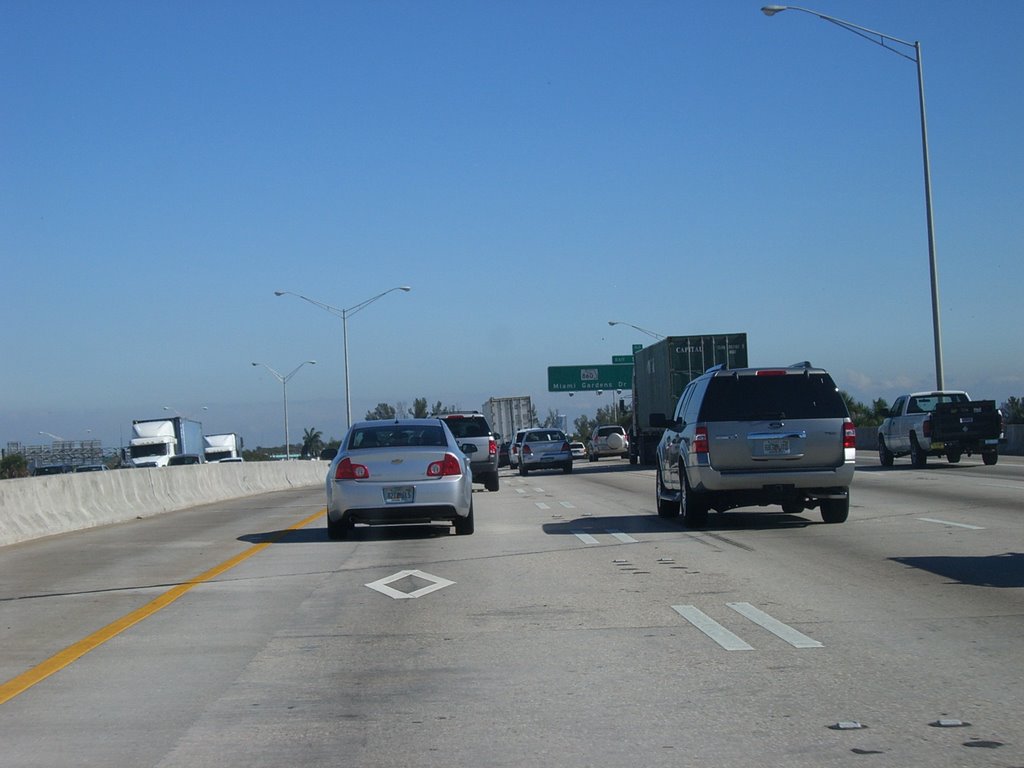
(883, 40)
(638, 328)
(345, 314)
(284, 388)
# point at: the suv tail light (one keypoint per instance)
(348, 470)
(849, 434)
(700, 440)
(446, 467)
(566, 448)
(492, 447)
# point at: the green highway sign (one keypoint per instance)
(581, 378)
(622, 359)
(637, 348)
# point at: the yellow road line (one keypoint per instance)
(58, 661)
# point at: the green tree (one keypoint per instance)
(13, 465)
(382, 411)
(312, 442)
(585, 427)
(1013, 410)
(419, 408)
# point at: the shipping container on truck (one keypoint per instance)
(661, 373)
(507, 415)
(154, 441)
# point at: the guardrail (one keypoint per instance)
(33, 507)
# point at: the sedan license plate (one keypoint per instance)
(775, 447)
(399, 494)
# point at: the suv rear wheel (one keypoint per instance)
(694, 506)
(669, 510)
(835, 510)
(491, 482)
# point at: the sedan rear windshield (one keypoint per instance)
(544, 437)
(793, 396)
(393, 436)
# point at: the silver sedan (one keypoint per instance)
(402, 471)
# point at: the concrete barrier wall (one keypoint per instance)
(32, 507)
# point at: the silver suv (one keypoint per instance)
(471, 427)
(756, 436)
(608, 440)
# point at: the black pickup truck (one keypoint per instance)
(949, 424)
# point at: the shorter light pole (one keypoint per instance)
(638, 328)
(284, 389)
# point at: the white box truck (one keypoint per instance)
(224, 447)
(155, 441)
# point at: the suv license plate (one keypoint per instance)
(399, 494)
(778, 447)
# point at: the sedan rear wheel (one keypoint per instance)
(464, 525)
(339, 529)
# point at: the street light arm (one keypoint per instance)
(333, 310)
(296, 369)
(867, 34)
(637, 327)
(362, 305)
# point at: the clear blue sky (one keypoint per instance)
(532, 169)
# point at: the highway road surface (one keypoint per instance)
(574, 628)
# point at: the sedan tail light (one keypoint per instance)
(348, 470)
(446, 467)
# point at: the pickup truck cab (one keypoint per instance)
(946, 423)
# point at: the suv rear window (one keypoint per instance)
(605, 431)
(468, 426)
(793, 396)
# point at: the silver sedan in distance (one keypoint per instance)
(407, 471)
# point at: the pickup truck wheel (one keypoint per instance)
(835, 510)
(567, 468)
(592, 456)
(668, 510)
(523, 470)
(917, 457)
(491, 483)
(793, 507)
(953, 457)
(693, 505)
(990, 457)
(885, 456)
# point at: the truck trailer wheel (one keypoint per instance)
(953, 456)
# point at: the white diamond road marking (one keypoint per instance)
(946, 522)
(776, 627)
(586, 538)
(381, 585)
(567, 504)
(541, 505)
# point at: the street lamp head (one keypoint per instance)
(771, 10)
(405, 288)
(280, 293)
(311, 362)
(255, 363)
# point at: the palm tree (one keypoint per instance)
(312, 442)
